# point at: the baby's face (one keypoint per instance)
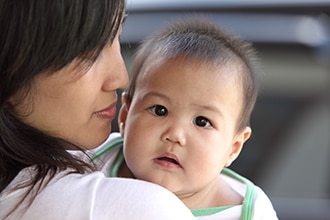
(180, 129)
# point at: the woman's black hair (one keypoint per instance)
(38, 37)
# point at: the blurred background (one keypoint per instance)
(288, 155)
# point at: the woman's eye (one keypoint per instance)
(202, 122)
(159, 110)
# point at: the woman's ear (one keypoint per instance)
(123, 111)
(238, 142)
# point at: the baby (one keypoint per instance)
(185, 117)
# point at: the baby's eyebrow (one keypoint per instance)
(211, 108)
(157, 94)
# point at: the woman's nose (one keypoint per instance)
(122, 74)
(116, 72)
(116, 82)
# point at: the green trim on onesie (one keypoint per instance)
(208, 211)
(248, 202)
(250, 194)
(114, 143)
(117, 163)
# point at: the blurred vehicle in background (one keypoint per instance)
(289, 152)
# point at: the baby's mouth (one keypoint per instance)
(168, 159)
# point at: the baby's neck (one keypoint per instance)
(124, 171)
(217, 193)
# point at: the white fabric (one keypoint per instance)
(93, 196)
(263, 209)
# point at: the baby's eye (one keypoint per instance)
(158, 110)
(202, 122)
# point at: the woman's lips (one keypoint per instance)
(107, 113)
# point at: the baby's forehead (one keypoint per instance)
(198, 76)
(231, 69)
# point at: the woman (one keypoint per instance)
(60, 67)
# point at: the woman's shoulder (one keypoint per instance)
(118, 198)
(75, 196)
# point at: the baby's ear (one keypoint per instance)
(238, 142)
(123, 111)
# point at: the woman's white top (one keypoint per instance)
(91, 196)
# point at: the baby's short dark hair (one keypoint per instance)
(200, 39)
